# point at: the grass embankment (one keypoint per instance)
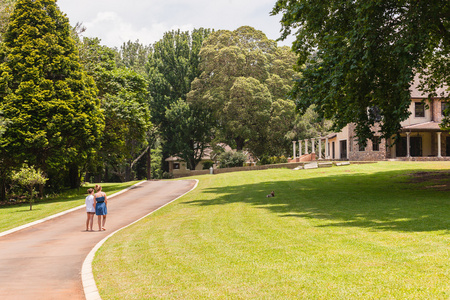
(12, 216)
(351, 232)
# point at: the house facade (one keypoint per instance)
(421, 137)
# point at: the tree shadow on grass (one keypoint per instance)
(381, 201)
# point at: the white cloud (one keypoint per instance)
(118, 21)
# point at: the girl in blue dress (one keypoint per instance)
(100, 207)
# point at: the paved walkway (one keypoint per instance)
(45, 260)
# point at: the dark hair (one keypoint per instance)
(90, 191)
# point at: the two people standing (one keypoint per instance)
(96, 203)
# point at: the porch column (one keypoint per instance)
(327, 149)
(408, 144)
(313, 146)
(306, 146)
(293, 149)
(439, 144)
(299, 148)
(320, 148)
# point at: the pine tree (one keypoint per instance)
(55, 117)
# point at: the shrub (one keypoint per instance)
(266, 160)
(28, 177)
(232, 159)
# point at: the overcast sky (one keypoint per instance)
(118, 21)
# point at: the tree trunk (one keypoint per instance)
(127, 173)
(31, 198)
(239, 143)
(149, 164)
(73, 176)
(3, 189)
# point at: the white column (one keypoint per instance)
(439, 144)
(293, 149)
(320, 148)
(327, 149)
(299, 148)
(306, 146)
(313, 146)
(408, 143)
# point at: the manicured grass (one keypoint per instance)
(350, 232)
(17, 215)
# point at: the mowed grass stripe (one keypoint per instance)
(359, 231)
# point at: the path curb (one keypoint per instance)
(87, 277)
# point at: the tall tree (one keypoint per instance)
(355, 55)
(172, 67)
(50, 101)
(243, 74)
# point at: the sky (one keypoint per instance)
(119, 21)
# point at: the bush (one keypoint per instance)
(232, 159)
(272, 160)
(28, 177)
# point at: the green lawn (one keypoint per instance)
(16, 215)
(351, 232)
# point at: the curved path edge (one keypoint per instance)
(63, 212)
(87, 277)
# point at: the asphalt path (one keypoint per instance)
(44, 261)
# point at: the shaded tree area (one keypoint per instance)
(356, 55)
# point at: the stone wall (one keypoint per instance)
(239, 169)
(368, 154)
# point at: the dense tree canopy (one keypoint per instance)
(355, 55)
(55, 118)
(245, 80)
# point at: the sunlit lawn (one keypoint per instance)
(12, 216)
(350, 232)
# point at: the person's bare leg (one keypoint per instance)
(99, 223)
(91, 216)
(87, 221)
(104, 221)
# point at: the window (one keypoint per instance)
(361, 147)
(419, 109)
(376, 143)
(444, 106)
(176, 166)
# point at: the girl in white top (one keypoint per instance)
(90, 209)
